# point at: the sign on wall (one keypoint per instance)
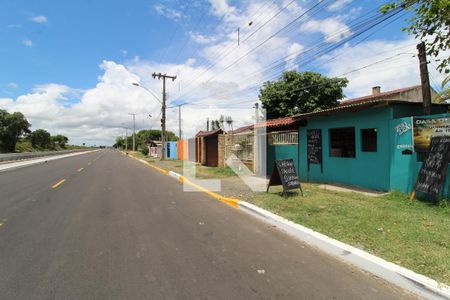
(426, 128)
(314, 146)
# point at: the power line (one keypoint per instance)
(259, 45)
(351, 71)
(361, 27)
(224, 53)
(172, 37)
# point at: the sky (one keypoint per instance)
(69, 66)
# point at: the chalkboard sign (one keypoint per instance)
(431, 176)
(314, 146)
(284, 173)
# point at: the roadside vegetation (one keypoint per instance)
(177, 166)
(414, 235)
(16, 136)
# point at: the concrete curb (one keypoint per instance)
(405, 278)
(402, 277)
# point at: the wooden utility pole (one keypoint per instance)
(425, 80)
(163, 110)
(207, 124)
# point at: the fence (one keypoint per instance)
(283, 138)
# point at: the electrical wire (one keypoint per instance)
(362, 26)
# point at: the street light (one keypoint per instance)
(148, 90)
(162, 111)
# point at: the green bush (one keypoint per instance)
(144, 151)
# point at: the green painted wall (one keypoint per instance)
(281, 152)
(368, 169)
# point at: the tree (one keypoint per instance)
(61, 140)
(444, 94)
(430, 23)
(147, 136)
(12, 127)
(41, 139)
(295, 93)
(120, 143)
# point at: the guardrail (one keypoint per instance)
(28, 155)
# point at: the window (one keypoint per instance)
(369, 140)
(342, 142)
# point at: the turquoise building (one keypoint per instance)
(367, 144)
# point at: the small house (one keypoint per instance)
(357, 143)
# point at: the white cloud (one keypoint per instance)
(13, 85)
(339, 4)
(202, 39)
(333, 29)
(39, 19)
(389, 64)
(168, 12)
(28, 43)
(294, 50)
(209, 80)
(221, 7)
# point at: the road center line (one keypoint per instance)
(89, 163)
(80, 169)
(58, 183)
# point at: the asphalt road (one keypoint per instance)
(117, 229)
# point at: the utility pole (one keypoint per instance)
(163, 114)
(126, 139)
(179, 120)
(134, 130)
(425, 80)
(207, 124)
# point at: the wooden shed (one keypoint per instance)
(207, 143)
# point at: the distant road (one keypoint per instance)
(104, 226)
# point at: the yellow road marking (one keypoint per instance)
(80, 169)
(58, 184)
(1, 224)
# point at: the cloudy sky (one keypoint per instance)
(69, 65)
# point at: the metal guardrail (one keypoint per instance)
(27, 155)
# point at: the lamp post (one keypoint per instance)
(163, 113)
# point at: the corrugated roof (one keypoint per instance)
(347, 107)
(209, 133)
(382, 95)
(276, 122)
(241, 129)
(361, 102)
